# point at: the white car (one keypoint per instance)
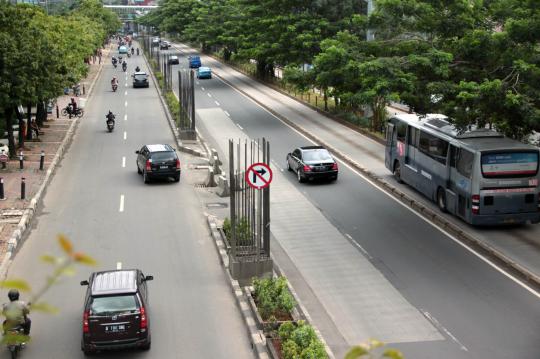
(4, 149)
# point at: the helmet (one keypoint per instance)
(13, 295)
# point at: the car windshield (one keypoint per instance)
(163, 156)
(316, 155)
(113, 304)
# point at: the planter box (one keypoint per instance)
(271, 346)
(265, 326)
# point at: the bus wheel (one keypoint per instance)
(441, 200)
(397, 172)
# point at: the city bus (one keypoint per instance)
(478, 174)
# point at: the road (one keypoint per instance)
(480, 312)
(159, 228)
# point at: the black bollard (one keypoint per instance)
(84, 88)
(2, 189)
(23, 188)
(57, 112)
(21, 160)
(42, 160)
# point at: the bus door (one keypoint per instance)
(388, 155)
(410, 170)
(461, 172)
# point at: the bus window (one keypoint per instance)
(453, 156)
(434, 147)
(389, 134)
(401, 131)
(464, 163)
(413, 134)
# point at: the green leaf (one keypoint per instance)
(356, 352)
(18, 284)
(44, 307)
(392, 354)
(49, 259)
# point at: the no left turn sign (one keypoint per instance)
(259, 175)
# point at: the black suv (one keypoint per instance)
(116, 311)
(158, 161)
(312, 162)
(140, 79)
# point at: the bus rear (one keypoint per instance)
(507, 187)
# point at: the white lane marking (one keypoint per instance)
(125, 85)
(197, 82)
(125, 104)
(439, 326)
(202, 88)
(121, 209)
(217, 103)
(125, 93)
(118, 265)
(125, 135)
(125, 117)
(240, 127)
(209, 94)
(228, 114)
(471, 250)
(124, 161)
(357, 245)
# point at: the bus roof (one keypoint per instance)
(479, 139)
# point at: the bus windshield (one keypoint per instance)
(509, 164)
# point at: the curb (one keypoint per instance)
(170, 119)
(256, 336)
(485, 249)
(24, 224)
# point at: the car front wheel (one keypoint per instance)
(288, 165)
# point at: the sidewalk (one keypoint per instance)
(53, 141)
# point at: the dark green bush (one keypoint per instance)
(273, 297)
(300, 342)
(243, 231)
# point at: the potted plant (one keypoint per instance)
(296, 340)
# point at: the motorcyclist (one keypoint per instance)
(16, 313)
(114, 82)
(120, 59)
(110, 117)
(137, 69)
(133, 51)
(124, 66)
(137, 51)
(114, 60)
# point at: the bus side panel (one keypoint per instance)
(389, 149)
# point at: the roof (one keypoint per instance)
(140, 73)
(173, 57)
(159, 148)
(304, 148)
(114, 282)
(204, 68)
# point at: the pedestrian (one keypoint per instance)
(34, 127)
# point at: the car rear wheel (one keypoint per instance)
(299, 176)
(147, 345)
(177, 178)
(397, 172)
(441, 200)
(145, 177)
(138, 169)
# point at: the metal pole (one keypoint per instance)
(42, 160)
(23, 188)
(266, 209)
(232, 189)
(2, 189)
(180, 99)
(21, 160)
(192, 83)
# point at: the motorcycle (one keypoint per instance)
(14, 341)
(79, 112)
(137, 52)
(114, 87)
(128, 54)
(124, 67)
(110, 125)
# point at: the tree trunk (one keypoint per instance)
(8, 112)
(29, 122)
(21, 128)
(226, 54)
(325, 100)
(41, 115)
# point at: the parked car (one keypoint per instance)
(312, 162)
(204, 73)
(140, 79)
(194, 62)
(116, 314)
(173, 60)
(164, 45)
(123, 49)
(158, 161)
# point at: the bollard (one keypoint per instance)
(57, 112)
(42, 160)
(83, 90)
(21, 160)
(2, 189)
(23, 188)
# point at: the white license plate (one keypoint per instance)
(163, 167)
(115, 328)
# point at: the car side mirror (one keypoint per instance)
(137, 152)
(84, 282)
(149, 277)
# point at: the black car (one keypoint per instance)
(116, 311)
(140, 79)
(164, 45)
(158, 161)
(312, 162)
(173, 60)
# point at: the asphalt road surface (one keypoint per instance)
(100, 202)
(480, 311)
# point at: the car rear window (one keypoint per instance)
(163, 156)
(316, 155)
(140, 77)
(509, 164)
(113, 304)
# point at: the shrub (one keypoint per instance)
(303, 335)
(243, 231)
(173, 104)
(273, 297)
(300, 342)
(285, 330)
(289, 350)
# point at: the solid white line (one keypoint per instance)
(124, 161)
(125, 117)
(439, 326)
(125, 104)
(118, 265)
(209, 94)
(240, 127)
(471, 250)
(202, 88)
(125, 135)
(228, 114)
(217, 103)
(121, 209)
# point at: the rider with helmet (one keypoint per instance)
(16, 313)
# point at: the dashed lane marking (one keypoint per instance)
(209, 94)
(125, 104)
(217, 103)
(228, 114)
(124, 161)
(240, 127)
(125, 135)
(121, 209)
(125, 117)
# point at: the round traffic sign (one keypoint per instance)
(259, 175)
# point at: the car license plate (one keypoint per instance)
(163, 167)
(115, 328)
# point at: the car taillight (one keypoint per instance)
(177, 164)
(475, 198)
(307, 168)
(144, 321)
(148, 165)
(85, 327)
(334, 166)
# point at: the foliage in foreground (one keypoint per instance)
(300, 341)
(273, 297)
